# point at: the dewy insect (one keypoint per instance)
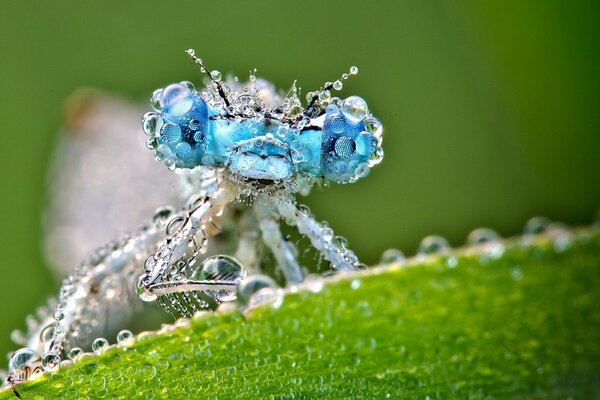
(243, 152)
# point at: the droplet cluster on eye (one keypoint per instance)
(252, 133)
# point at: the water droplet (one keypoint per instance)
(373, 125)
(353, 70)
(155, 100)
(74, 353)
(124, 337)
(251, 285)
(99, 344)
(536, 225)
(392, 256)
(22, 358)
(355, 284)
(150, 121)
(147, 371)
(324, 96)
(145, 294)
(189, 85)
(216, 75)
(356, 107)
(338, 85)
(47, 334)
(482, 235)
(50, 361)
(176, 99)
(98, 381)
(433, 244)
(220, 267)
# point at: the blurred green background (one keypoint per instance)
(490, 109)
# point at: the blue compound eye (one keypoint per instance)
(344, 147)
(337, 124)
(178, 134)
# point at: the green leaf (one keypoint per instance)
(521, 324)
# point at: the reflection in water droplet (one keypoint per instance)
(50, 361)
(216, 75)
(392, 256)
(99, 344)
(21, 359)
(74, 353)
(536, 225)
(433, 244)
(254, 290)
(124, 337)
(220, 267)
(482, 235)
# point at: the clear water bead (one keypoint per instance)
(392, 256)
(217, 268)
(433, 244)
(99, 344)
(356, 107)
(74, 353)
(150, 122)
(482, 235)
(142, 291)
(50, 361)
(353, 70)
(251, 285)
(216, 75)
(21, 359)
(536, 225)
(176, 99)
(125, 336)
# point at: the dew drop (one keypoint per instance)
(124, 337)
(74, 353)
(155, 100)
(392, 256)
(356, 107)
(21, 359)
(482, 235)
(433, 244)
(324, 96)
(248, 287)
(99, 344)
(353, 70)
(98, 382)
(145, 294)
(150, 121)
(220, 267)
(176, 99)
(147, 371)
(338, 85)
(50, 361)
(536, 225)
(189, 85)
(216, 75)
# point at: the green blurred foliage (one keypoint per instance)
(489, 108)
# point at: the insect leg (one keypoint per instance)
(333, 248)
(248, 242)
(282, 251)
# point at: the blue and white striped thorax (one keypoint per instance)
(255, 134)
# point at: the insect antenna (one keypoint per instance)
(337, 85)
(13, 388)
(203, 69)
